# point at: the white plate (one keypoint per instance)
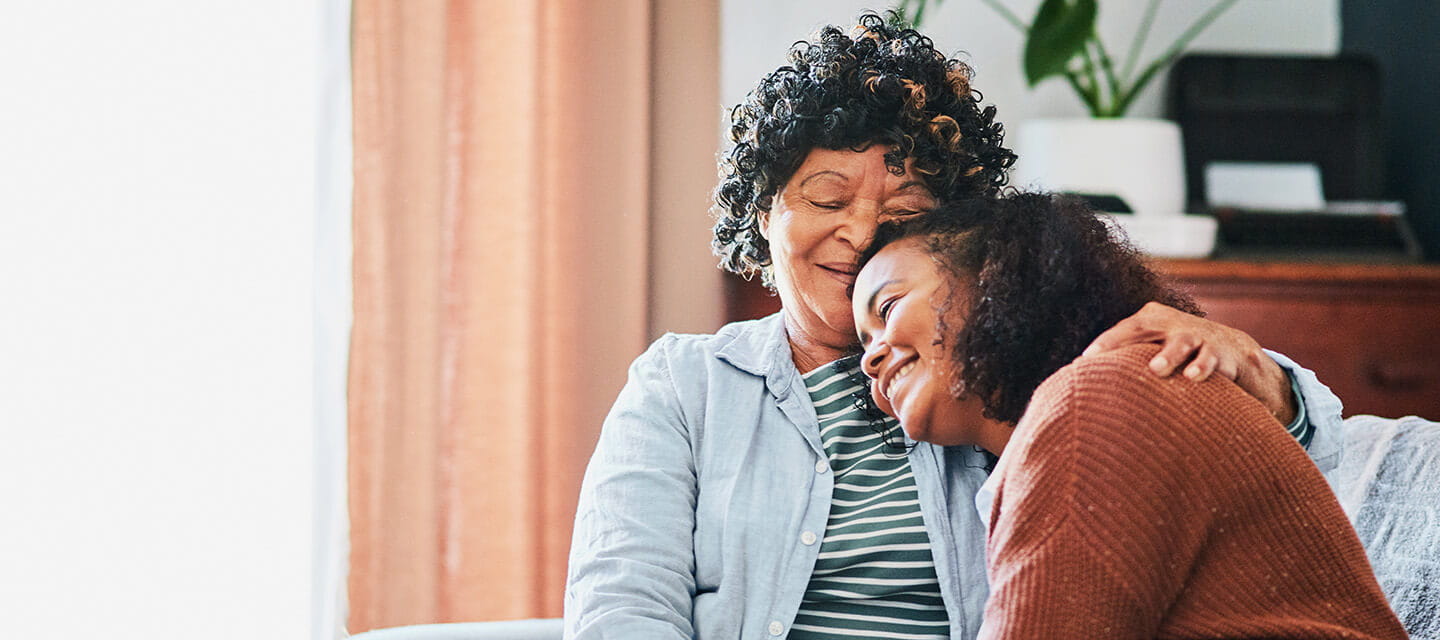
(1186, 236)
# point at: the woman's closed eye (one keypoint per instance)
(906, 211)
(884, 310)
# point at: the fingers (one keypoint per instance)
(1112, 338)
(1192, 346)
(1200, 358)
(1204, 364)
(1228, 368)
(1178, 350)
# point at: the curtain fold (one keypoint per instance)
(502, 167)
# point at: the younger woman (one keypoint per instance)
(1123, 505)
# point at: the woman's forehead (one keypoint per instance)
(900, 261)
(845, 166)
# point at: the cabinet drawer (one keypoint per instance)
(1372, 333)
(1380, 357)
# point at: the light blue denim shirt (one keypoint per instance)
(707, 476)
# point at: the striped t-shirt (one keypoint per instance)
(875, 577)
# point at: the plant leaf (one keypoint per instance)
(1058, 33)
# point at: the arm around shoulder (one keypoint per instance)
(1322, 410)
(632, 566)
(1092, 491)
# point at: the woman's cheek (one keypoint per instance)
(881, 401)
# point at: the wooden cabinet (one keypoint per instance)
(1370, 331)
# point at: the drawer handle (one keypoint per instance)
(1398, 376)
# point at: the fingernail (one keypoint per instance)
(1159, 364)
(1192, 372)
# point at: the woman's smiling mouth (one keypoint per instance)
(842, 271)
(890, 383)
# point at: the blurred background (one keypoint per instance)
(312, 310)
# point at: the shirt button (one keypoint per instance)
(808, 538)
(776, 628)
(821, 466)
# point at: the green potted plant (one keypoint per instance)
(1061, 41)
(1137, 159)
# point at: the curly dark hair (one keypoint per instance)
(1041, 277)
(878, 85)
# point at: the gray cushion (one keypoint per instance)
(545, 629)
(1388, 481)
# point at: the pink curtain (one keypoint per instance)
(502, 184)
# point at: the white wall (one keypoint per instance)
(686, 290)
(159, 180)
(756, 34)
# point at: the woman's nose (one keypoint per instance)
(873, 357)
(859, 225)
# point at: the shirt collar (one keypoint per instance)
(759, 347)
(985, 499)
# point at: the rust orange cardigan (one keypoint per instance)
(1133, 506)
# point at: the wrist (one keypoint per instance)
(1281, 398)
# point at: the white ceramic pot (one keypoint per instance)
(1137, 159)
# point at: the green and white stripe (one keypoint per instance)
(875, 577)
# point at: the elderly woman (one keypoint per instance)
(1123, 505)
(737, 491)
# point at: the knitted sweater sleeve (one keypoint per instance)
(1106, 494)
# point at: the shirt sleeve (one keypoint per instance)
(1300, 427)
(1321, 409)
(632, 563)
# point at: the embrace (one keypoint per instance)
(755, 483)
